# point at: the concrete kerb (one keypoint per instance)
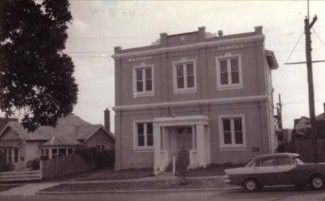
(138, 191)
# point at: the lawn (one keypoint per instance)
(110, 174)
(143, 185)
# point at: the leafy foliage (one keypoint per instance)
(182, 163)
(33, 164)
(4, 166)
(35, 75)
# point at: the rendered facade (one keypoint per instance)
(209, 94)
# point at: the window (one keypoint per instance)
(266, 162)
(232, 133)
(54, 152)
(144, 135)
(143, 80)
(229, 72)
(184, 76)
(283, 160)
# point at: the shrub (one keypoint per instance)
(4, 166)
(182, 163)
(97, 159)
(33, 164)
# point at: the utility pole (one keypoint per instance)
(313, 131)
(279, 113)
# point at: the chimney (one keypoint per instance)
(201, 33)
(107, 123)
(258, 29)
(220, 33)
(163, 39)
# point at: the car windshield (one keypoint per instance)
(251, 163)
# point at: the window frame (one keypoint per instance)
(230, 85)
(143, 93)
(136, 147)
(186, 89)
(232, 130)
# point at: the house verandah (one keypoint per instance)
(171, 134)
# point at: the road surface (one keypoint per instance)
(238, 195)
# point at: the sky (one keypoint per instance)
(98, 26)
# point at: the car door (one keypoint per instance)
(282, 172)
(264, 170)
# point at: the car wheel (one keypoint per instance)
(317, 182)
(251, 185)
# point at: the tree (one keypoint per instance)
(36, 76)
(182, 164)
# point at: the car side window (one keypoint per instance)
(283, 160)
(266, 162)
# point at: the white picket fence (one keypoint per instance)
(33, 175)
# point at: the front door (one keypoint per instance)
(184, 138)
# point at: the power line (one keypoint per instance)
(294, 47)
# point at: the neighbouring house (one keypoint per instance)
(71, 132)
(302, 140)
(209, 94)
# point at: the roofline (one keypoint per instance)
(197, 45)
(100, 127)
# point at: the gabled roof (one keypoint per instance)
(61, 141)
(67, 131)
(23, 134)
(87, 131)
(320, 117)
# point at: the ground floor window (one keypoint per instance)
(232, 132)
(144, 134)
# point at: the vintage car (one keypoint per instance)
(277, 169)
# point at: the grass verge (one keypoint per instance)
(143, 185)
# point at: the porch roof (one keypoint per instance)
(9, 143)
(181, 120)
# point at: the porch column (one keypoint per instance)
(50, 152)
(201, 156)
(157, 146)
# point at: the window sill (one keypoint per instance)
(143, 94)
(233, 148)
(184, 91)
(229, 87)
(143, 149)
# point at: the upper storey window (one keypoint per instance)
(143, 80)
(229, 72)
(184, 76)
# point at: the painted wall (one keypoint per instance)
(253, 74)
(257, 81)
(255, 124)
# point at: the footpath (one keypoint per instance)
(161, 183)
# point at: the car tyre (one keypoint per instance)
(251, 185)
(317, 182)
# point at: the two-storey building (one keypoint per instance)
(209, 94)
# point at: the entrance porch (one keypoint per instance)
(171, 134)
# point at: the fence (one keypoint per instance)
(63, 166)
(304, 147)
(20, 176)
